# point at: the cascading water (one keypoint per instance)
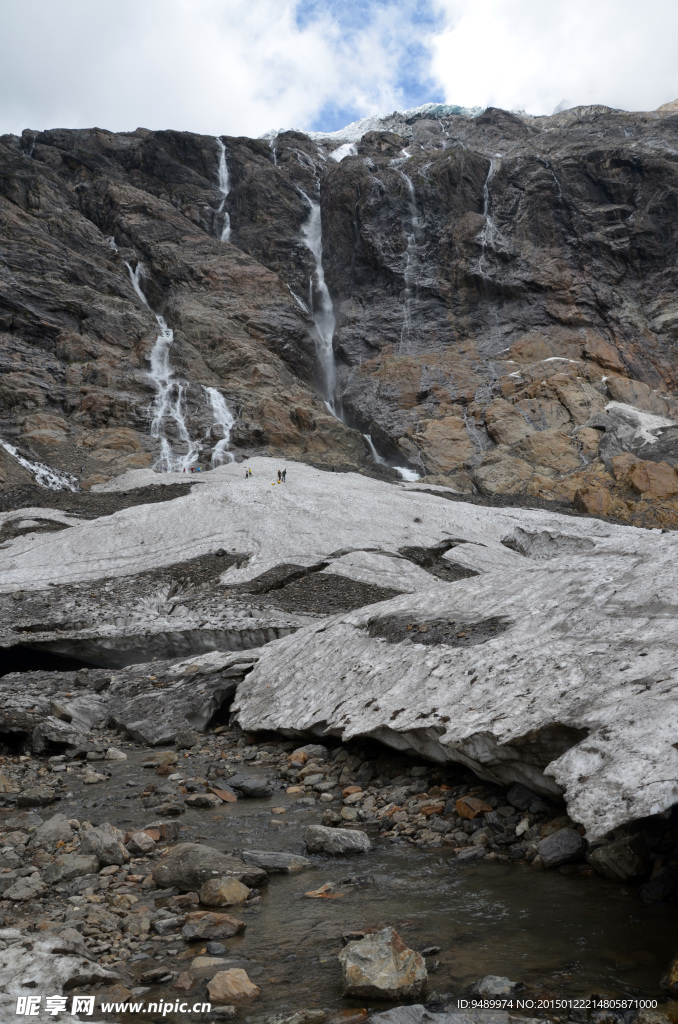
(223, 418)
(411, 262)
(320, 302)
(490, 235)
(168, 403)
(44, 475)
(224, 188)
(322, 311)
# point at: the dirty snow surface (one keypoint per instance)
(529, 645)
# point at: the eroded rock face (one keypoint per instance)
(469, 341)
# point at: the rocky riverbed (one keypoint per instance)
(167, 871)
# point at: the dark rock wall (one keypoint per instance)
(496, 282)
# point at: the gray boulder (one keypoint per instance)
(70, 865)
(493, 986)
(275, 862)
(319, 839)
(106, 843)
(250, 785)
(381, 966)
(189, 865)
(622, 859)
(54, 830)
(561, 847)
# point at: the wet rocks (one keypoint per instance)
(232, 987)
(250, 785)
(623, 859)
(276, 861)
(670, 979)
(380, 966)
(493, 986)
(205, 925)
(223, 892)
(189, 865)
(561, 847)
(335, 841)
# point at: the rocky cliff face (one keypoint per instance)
(492, 299)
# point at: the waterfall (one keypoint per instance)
(411, 260)
(223, 417)
(322, 311)
(490, 233)
(320, 301)
(44, 475)
(168, 403)
(224, 188)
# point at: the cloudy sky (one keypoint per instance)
(241, 67)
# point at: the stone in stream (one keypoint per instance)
(622, 859)
(223, 892)
(189, 865)
(319, 839)
(381, 966)
(204, 925)
(203, 800)
(232, 987)
(276, 861)
(561, 847)
(250, 785)
(493, 986)
(160, 757)
(40, 796)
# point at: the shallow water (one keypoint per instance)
(561, 934)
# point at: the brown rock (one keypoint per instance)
(622, 464)
(601, 352)
(223, 892)
(380, 966)
(232, 987)
(501, 473)
(594, 500)
(670, 979)
(653, 479)
(444, 443)
(505, 424)
(471, 807)
(205, 925)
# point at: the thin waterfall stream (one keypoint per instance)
(322, 312)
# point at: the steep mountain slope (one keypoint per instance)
(491, 298)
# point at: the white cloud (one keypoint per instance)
(213, 66)
(531, 54)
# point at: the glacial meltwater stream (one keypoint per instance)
(560, 934)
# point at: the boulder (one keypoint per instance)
(381, 966)
(189, 865)
(105, 842)
(232, 987)
(223, 892)
(39, 796)
(520, 797)
(204, 925)
(470, 807)
(622, 859)
(250, 785)
(140, 844)
(493, 986)
(319, 839)
(276, 862)
(54, 830)
(561, 847)
(70, 865)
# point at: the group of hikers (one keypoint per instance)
(282, 474)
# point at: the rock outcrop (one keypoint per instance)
(496, 299)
